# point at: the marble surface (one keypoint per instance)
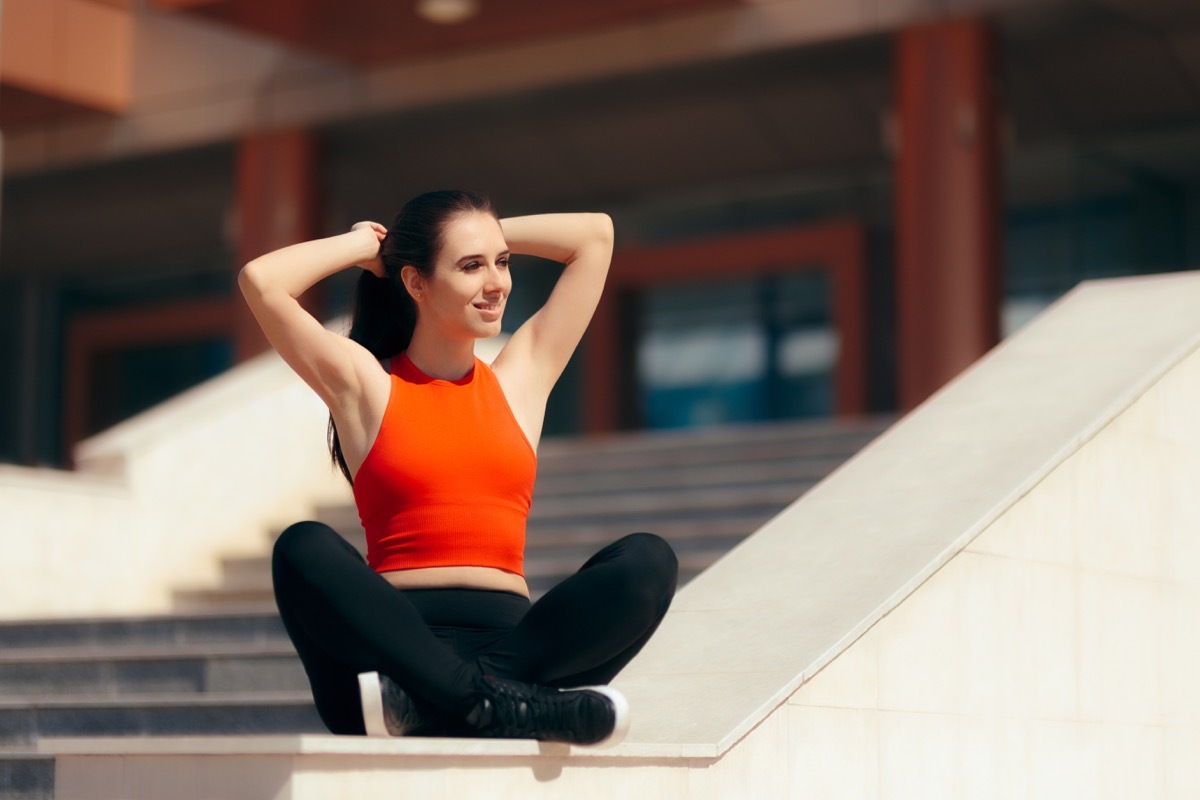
(796, 593)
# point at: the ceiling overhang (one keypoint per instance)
(371, 32)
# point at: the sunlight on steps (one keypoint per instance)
(225, 666)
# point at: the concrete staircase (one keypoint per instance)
(199, 673)
(999, 597)
(223, 664)
(704, 491)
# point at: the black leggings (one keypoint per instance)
(344, 618)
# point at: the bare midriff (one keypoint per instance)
(458, 578)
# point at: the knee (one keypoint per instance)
(299, 542)
(655, 558)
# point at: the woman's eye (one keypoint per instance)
(474, 265)
(503, 263)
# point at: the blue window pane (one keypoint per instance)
(738, 350)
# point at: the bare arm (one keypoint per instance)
(332, 365)
(538, 352)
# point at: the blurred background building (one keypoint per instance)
(822, 207)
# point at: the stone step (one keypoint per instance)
(24, 720)
(202, 629)
(636, 477)
(669, 504)
(595, 533)
(714, 466)
(711, 445)
(26, 776)
(140, 670)
(226, 598)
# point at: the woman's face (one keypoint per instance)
(466, 293)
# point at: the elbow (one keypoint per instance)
(604, 228)
(599, 236)
(250, 279)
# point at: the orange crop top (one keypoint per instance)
(449, 478)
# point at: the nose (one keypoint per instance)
(498, 280)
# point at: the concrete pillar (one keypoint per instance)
(947, 203)
(276, 206)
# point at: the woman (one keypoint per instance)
(434, 633)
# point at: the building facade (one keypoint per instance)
(822, 208)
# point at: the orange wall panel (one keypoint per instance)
(96, 56)
(26, 33)
(80, 51)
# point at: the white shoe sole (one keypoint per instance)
(371, 693)
(621, 707)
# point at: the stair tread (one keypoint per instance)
(744, 436)
(158, 700)
(86, 653)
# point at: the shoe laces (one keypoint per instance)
(515, 710)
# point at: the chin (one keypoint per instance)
(487, 331)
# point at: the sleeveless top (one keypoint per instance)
(449, 479)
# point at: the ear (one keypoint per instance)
(413, 280)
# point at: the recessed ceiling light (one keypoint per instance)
(447, 12)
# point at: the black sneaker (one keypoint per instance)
(387, 709)
(593, 715)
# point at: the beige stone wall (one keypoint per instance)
(158, 500)
(1056, 657)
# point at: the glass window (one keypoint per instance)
(736, 350)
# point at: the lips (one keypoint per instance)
(489, 310)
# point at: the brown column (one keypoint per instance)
(947, 204)
(276, 206)
(601, 366)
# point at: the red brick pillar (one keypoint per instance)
(276, 206)
(947, 203)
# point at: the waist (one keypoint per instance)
(472, 610)
(434, 536)
(488, 578)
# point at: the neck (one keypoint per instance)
(441, 358)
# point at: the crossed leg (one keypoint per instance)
(344, 618)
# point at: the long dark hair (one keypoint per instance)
(385, 315)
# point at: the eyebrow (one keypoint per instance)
(501, 254)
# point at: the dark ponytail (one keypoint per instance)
(385, 315)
